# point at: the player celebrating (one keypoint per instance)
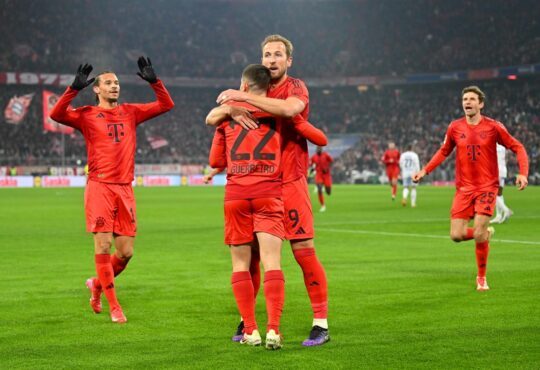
(502, 211)
(321, 162)
(390, 159)
(477, 177)
(253, 205)
(109, 130)
(288, 97)
(409, 164)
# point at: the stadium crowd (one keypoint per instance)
(217, 38)
(406, 114)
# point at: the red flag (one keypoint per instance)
(17, 108)
(49, 100)
(157, 141)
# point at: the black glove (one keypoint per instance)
(80, 81)
(146, 70)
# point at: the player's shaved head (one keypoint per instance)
(278, 38)
(257, 77)
(476, 90)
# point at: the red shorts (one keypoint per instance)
(467, 204)
(323, 179)
(110, 208)
(298, 213)
(392, 172)
(243, 217)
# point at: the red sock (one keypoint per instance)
(118, 266)
(243, 294)
(482, 251)
(394, 190)
(274, 292)
(315, 281)
(321, 198)
(470, 234)
(105, 275)
(255, 270)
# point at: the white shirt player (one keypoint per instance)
(410, 164)
(501, 162)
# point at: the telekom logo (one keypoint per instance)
(473, 151)
(115, 130)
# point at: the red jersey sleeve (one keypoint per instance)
(63, 114)
(218, 154)
(514, 145)
(297, 88)
(164, 103)
(444, 151)
(308, 131)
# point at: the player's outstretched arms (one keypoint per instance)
(521, 182)
(146, 71)
(81, 77)
(419, 175)
(240, 115)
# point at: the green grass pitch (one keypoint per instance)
(401, 293)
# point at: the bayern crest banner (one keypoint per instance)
(49, 100)
(17, 108)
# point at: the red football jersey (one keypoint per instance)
(391, 158)
(295, 150)
(476, 154)
(252, 157)
(322, 162)
(110, 134)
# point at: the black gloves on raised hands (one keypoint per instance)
(146, 70)
(80, 81)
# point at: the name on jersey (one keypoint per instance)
(240, 169)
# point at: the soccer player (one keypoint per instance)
(288, 97)
(109, 130)
(477, 177)
(321, 162)
(390, 159)
(409, 164)
(502, 212)
(253, 205)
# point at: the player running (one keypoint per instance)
(409, 164)
(502, 212)
(390, 159)
(477, 176)
(109, 130)
(288, 97)
(321, 162)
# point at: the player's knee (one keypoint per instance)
(456, 236)
(480, 235)
(125, 255)
(304, 243)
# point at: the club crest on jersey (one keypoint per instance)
(483, 135)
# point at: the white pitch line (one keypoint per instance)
(414, 235)
(401, 221)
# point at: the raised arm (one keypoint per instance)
(60, 112)
(163, 103)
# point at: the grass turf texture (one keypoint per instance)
(402, 295)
